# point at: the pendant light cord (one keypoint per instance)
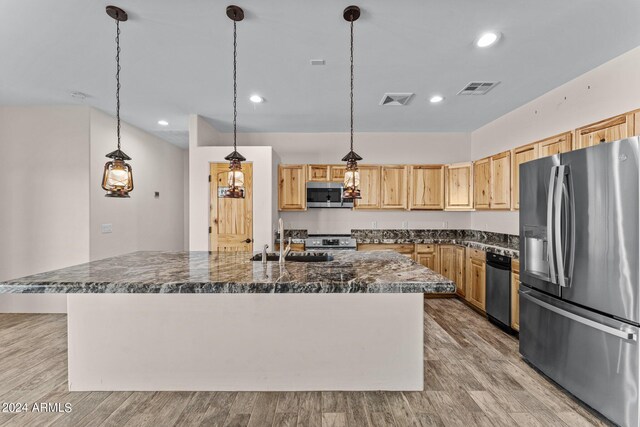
(235, 89)
(118, 79)
(351, 83)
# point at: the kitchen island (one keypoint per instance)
(218, 321)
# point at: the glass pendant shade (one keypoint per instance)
(351, 181)
(117, 179)
(235, 181)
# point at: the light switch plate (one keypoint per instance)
(106, 228)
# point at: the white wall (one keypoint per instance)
(376, 148)
(605, 91)
(141, 222)
(201, 155)
(44, 212)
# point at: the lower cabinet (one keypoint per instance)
(476, 271)
(402, 248)
(452, 266)
(295, 247)
(515, 301)
(427, 255)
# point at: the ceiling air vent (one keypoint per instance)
(478, 88)
(396, 98)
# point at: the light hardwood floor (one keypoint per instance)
(473, 376)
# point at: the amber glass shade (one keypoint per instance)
(117, 179)
(351, 182)
(235, 181)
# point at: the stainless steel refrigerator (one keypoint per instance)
(579, 270)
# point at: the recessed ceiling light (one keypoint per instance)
(487, 39)
(163, 123)
(256, 99)
(435, 99)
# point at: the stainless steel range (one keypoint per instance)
(330, 241)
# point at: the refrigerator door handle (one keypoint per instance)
(550, 249)
(629, 336)
(557, 226)
(568, 251)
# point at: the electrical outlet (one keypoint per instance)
(106, 228)
(374, 224)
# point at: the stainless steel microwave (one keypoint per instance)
(326, 195)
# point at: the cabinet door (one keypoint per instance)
(461, 283)
(394, 187)
(318, 172)
(426, 187)
(336, 173)
(482, 183)
(369, 188)
(515, 303)
(476, 270)
(292, 188)
(459, 187)
(521, 155)
(428, 260)
(501, 181)
(448, 261)
(555, 145)
(607, 130)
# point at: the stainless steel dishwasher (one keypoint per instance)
(498, 282)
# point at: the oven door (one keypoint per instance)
(326, 195)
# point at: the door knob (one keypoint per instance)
(248, 240)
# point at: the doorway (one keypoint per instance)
(230, 220)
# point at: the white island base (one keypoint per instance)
(245, 342)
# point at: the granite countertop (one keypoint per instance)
(227, 272)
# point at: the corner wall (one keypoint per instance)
(610, 89)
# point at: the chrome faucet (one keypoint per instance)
(264, 254)
(283, 251)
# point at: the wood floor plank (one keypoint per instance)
(264, 410)
(285, 419)
(334, 419)
(309, 409)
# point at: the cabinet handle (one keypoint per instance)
(247, 241)
(603, 140)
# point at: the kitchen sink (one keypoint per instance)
(297, 257)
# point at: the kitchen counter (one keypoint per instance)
(227, 272)
(199, 321)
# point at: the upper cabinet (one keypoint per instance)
(292, 187)
(501, 181)
(369, 188)
(607, 130)
(394, 187)
(426, 187)
(336, 173)
(555, 145)
(459, 187)
(521, 155)
(318, 173)
(482, 183)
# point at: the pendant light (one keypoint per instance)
(352, 174)
(235, 177)
(117, 179)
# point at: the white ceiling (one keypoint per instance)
(176, 59)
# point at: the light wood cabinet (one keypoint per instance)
(459, 187)
(501, 181)
(607, 130)
(521, 155)
(426, 187)
(336, 173)
(295, 247)
(427, 255)
(402, 248)
(482, 183)
(555, 145)
(515, 301)
(369, 188)
(452, 266)
(476, 271)
(318, 173)
(394, 187)
(292, 188)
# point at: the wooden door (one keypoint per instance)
(501, 181)
(426, 187)
(460, 277)
(336, 173)
(394, 187)
(292, 191)
(482, 183)
(555, 145)
(230, 220)
(521, 155)
(369, 188)
(459, 187)
(476, 270)
(607, 130)
(515, 302)
(318, 172)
